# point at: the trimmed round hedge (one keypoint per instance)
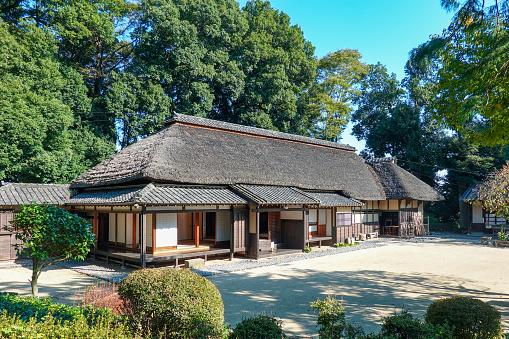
(259, 327)
(172, 303)
(471, 318)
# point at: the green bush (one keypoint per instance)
(331, 320)
(471, 318)
(405, 326)
(258, 327)
(172, 303)
(26, 308)
(79, 328)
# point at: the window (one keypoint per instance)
(344, 219)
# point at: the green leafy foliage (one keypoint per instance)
(27, 308)
(494, 192)
(50, 327)
(469, 317)
(50, 234)
(173, 303)
(339, 73)
(261, 326)
(405, 326)
(471, 70)
(331, 320)
(38, 130)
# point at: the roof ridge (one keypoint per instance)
(393, 160)
(257, 131)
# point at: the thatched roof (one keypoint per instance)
(200, 151)
(401, 184)
(12, 194)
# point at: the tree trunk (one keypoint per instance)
(33, 282)
(36, 271)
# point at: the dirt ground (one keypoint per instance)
(372, 283)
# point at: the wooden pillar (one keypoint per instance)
(134, 230)
(154, 233)
(196, 218)
(143, 238)
(257, 240)
(95, 229)
(232, 233)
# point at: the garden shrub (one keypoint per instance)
(12, 326)
(172, 303)
(470, 317)
(259, 327)
(331, 320)
(405, 326)
(26, 308)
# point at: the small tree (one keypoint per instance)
(494, 192)
(50, 234)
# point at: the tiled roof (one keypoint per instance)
(158, 194)
(332, 199)
(471, 194)
(274, 195)
(20, 193)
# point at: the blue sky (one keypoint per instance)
(382, 31)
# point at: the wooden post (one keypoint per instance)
(257, 240)
(143, 238)
(134, 230)
(95, 228)
(154, 233)
(197, 230)
(232, 233)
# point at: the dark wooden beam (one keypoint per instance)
(143, 238)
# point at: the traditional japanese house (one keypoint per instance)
(206, 186)
(479, 219)
(14, 194)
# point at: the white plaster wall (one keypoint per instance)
(129, 229)
(344, 209)
(421, 208)
(161, 208)
(111, 227)
(148, 223)
(166, 228)
(328, 228)
(182, 226)
(477, 216)
(292, 215)
(121, 227)
(313, 215)
(356, 218)
(223, 226)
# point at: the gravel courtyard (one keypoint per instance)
(372, 282)
(374, 279)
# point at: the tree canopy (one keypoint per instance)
(494, 192)
(50, 234)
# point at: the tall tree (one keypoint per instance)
(394, 124)
(473, 70)
(40, 141)
(190, 47)
(279, 68)
(339, 73)
(50, 234)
